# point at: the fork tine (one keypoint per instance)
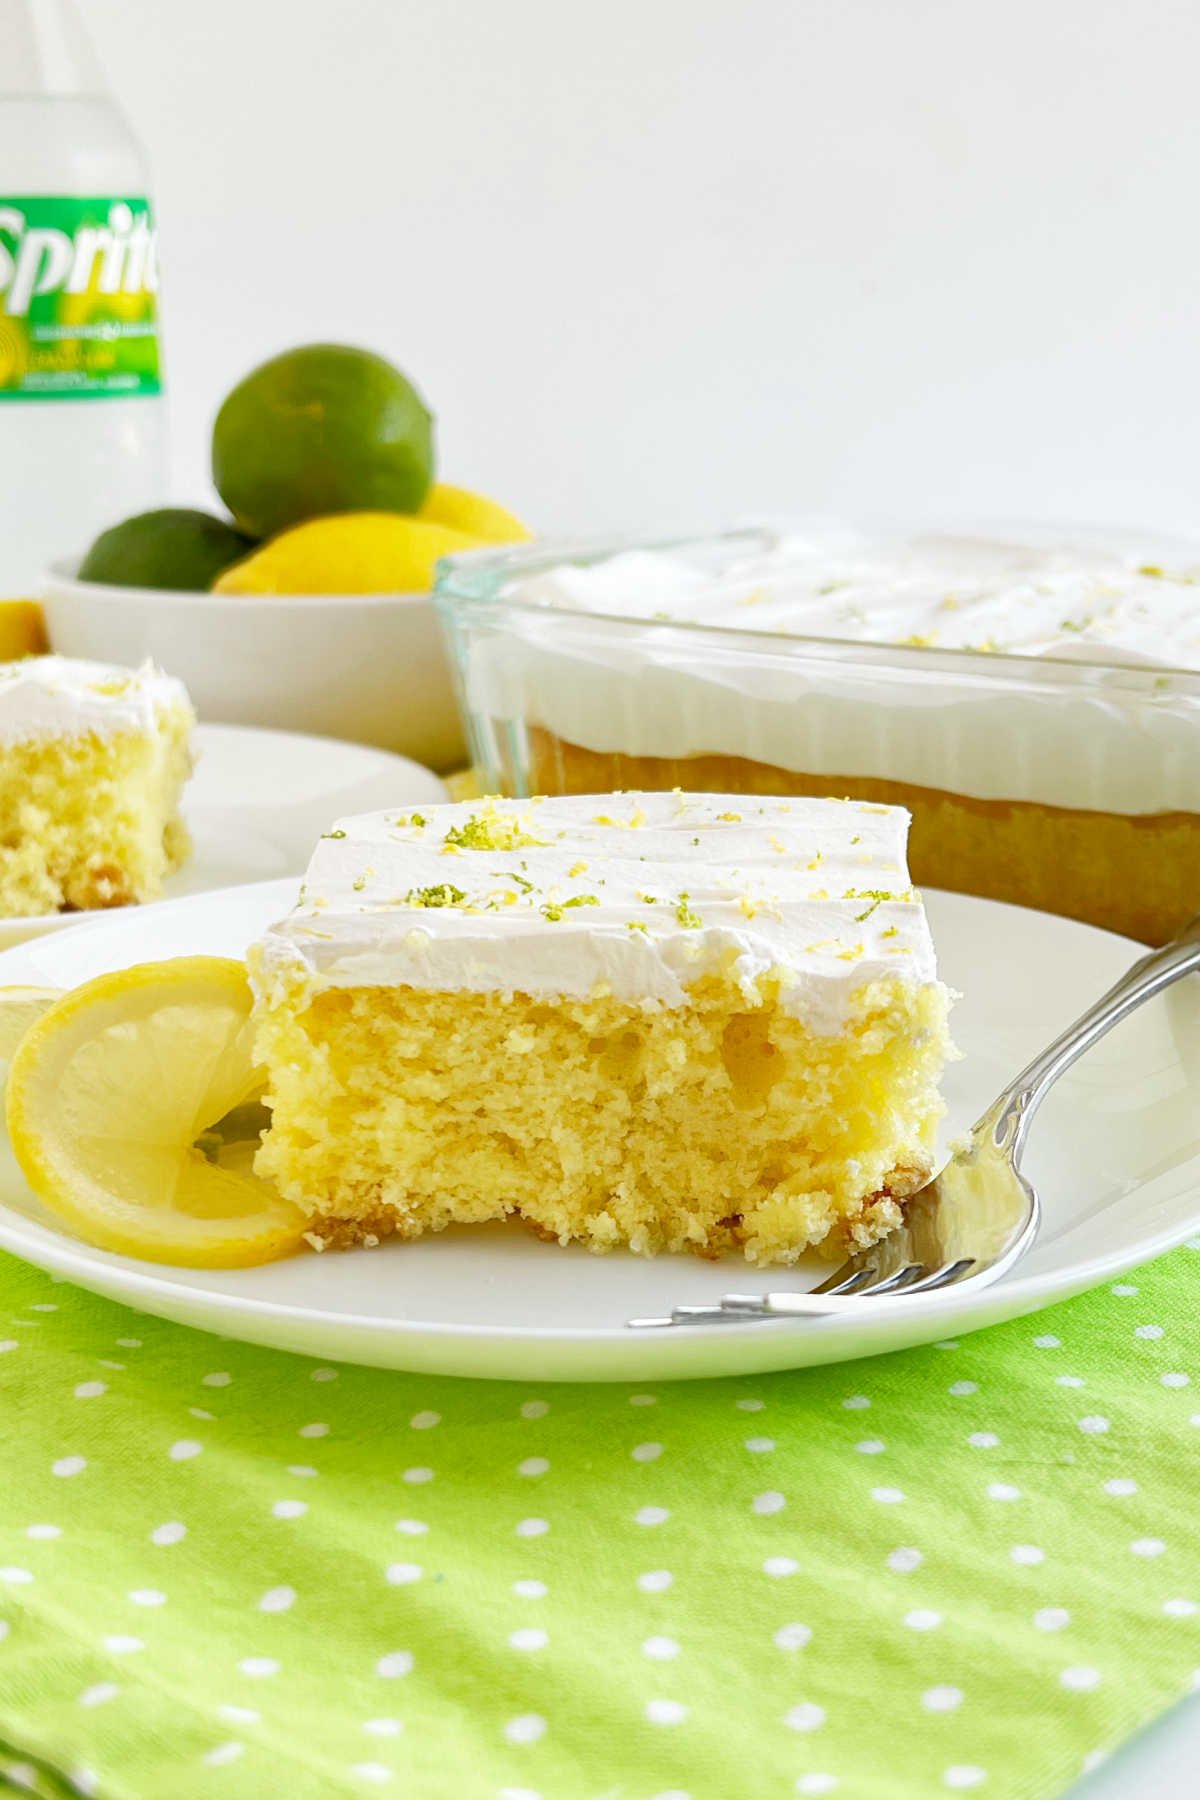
(943, 1275)
(850, 1283)
(901, 1281)
(842, 1278)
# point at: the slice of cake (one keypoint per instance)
(669, 1021)
(93, 759)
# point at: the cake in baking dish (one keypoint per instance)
(93, 760)
(665, 1021)
(1033, 699)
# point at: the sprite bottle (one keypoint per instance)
(82, 431)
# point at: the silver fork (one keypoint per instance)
(971, 1222)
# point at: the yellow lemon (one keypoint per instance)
(133, 1112)
(21, 1007)
(22, 630)
(348, 553)
(465, 784)
(473, 513)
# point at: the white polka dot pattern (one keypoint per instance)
(318, 1626)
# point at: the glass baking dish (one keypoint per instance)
(1068, 785)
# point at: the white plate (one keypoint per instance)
(257, 803)
(1115, 1151)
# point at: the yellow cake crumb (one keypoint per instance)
(715, 1126)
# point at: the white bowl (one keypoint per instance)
(368, 667)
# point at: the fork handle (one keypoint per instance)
(1009, 1116)
(734, 1309)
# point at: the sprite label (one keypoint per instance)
(78, 299)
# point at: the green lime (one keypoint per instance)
(319, 430)
(175, 547)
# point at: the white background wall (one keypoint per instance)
(671, 261)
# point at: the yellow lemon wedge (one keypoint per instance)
(22, 630)
(348, 553)
(132, 1111)
(475, 514)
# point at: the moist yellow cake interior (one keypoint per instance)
(92, 820)
(403, 1111)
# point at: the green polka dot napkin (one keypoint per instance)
(228, 1572)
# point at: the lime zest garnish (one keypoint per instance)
(444, 894)
(554, 909)
(490, 830)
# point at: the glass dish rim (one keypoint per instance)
(493, 563)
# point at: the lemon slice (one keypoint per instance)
(21, 1007)
(131, 1110)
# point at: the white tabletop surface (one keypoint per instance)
(1163, 1762)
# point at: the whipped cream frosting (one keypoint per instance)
(934, 592)
(59, 696)
(1120, 733)
(638, 895)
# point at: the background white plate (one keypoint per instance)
(258, 801)
(1115, 1151)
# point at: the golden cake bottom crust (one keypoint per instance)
(876, 1216)
(1134, 874)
